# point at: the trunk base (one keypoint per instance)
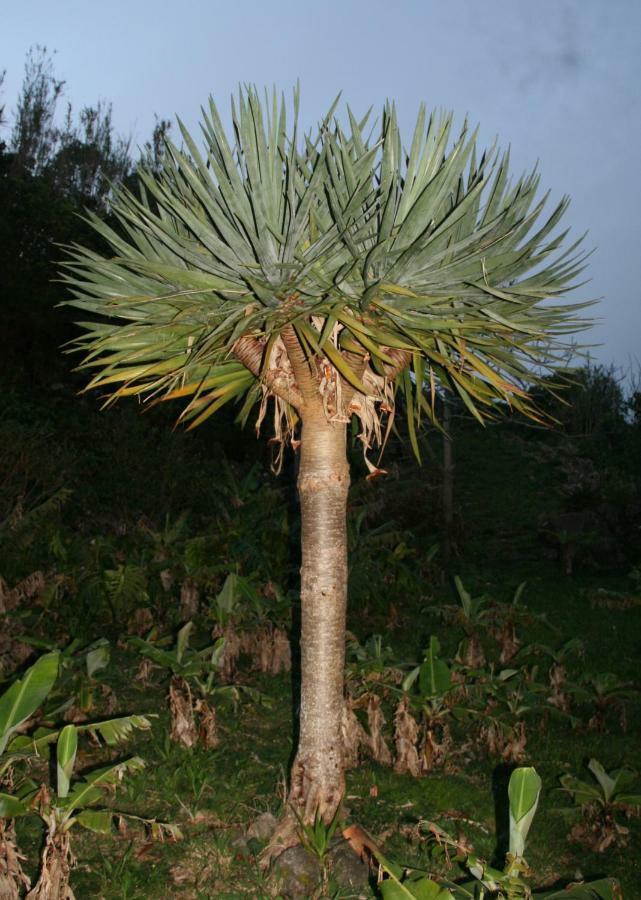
(55, 868)
(13, 880)
(316, 792)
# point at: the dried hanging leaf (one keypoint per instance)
(354, 735)
(492, 736)
(380, 391)
(183, 726)
(375, 723)
(405, 738)
(26, 589)
(189, 599)
(13, 880)
(265, 648)
(166, 579)
(231, 650)
(436, 745)
(392, 617)
(514, 749)
(56, 864)
(284, 421)
(509, 642)
(111, 700)
(281, 652)
(558, 697)
(144, 671)
(141, 622)
(473, 654)
(207, 729)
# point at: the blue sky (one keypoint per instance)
(559, 80)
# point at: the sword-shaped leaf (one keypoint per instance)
(26, 694)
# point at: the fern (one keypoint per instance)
(125, 588)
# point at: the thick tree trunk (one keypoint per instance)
(317, 779)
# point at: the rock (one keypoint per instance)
(346, 868)
(297, 873)
(263, 827)
(238, 843)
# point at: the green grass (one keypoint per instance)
(214, 795)
(500, 492)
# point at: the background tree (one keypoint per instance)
(324, 275)
(80, 160)
(35, 134)
(54, 165)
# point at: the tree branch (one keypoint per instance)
(306, 379)
(402, 360)
(249, 351)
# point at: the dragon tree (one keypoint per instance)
(316, 279)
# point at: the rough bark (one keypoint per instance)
(249, 351)
(323, 482)
(318, 774)
(317, 780)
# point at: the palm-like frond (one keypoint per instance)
(451, 263)
(374, 261)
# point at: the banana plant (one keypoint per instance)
(181, 659)
(198, 667)
(18, 705)
(605, 692)
(524, 790)
(600, 802)
(79, 666)
(26, 695)
(237, 601)
(430, 688)
(372, 661)
(72, 803)
(194, 683)
(22, 700)
(608, 790)
(433, 675)
(471, 613)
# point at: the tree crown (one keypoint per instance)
(326, 269)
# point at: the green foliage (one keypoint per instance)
(383, 560)
(510, 883)
(239, 602)
(182, 659)
(523, 793)
(434, 675)
(317, 836)
(201, 668)
(25, 695)
(429, 252)
(79, 667)
(81, 160)
(71, 801)
(609, 790)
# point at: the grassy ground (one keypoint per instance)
(214, 795)
(126, 475)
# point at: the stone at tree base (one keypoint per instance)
(263, 827)
(297, 873)
(347, 869)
